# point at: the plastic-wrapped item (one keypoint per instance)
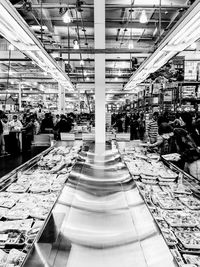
(18, 188)
(190, 202)
(190, 239)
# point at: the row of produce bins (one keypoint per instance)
(173, 198)
(27, 199)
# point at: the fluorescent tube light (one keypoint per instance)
(66, 17)
(76, 45)
(82, 62)
(143, 17)
(17, 32)
(194, 45)
(182, 35)
(130, 44)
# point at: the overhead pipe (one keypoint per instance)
(60, 5)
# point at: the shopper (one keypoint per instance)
(178, 122)
(141, 126)
(15, 124)
(113, 118)
(152, 128)
(197, 130)
(119, 124)
(134, 125)
(165, 142)
(15, 135)
(6, 130)
(47, 124)
(63, 126)
(189, 152)
(127, 121)
(1, 139)
(36, 124)
(56, 120)
(28, 133)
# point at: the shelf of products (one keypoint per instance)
(173, 198)
(27, 197)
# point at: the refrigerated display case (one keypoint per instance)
(173, 198)
(102, 213)
(100, 219)
(27, 197)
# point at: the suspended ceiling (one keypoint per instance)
(122, 24)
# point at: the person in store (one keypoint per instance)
(1, 139)
(152, 128)
(113, 118)
(127, 121)
(141, 126)
(197, 130)
(14, 136)
(15, 124)
(6, 129)
(28, 133)
(63, 126)
(47, 124)
(190, 153)
(70, 119)
(119, 124)
(134, 125)
(177, 122)
(165, 142)
(57, 119)
(36, 124)
(189, 126)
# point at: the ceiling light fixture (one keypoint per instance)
(76, 45)
(17, 32)
(116, 79)
(155, 31)
(119, 73)
(143, 17)
(194, 45)
(87, 79)
(82, 63)
(10, 72)
(11, 47)
(181, 36)
(66, 17)
(130, 44)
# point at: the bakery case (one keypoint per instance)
(77, 204)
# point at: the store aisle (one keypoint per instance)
(9, 163)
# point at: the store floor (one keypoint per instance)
(9, 163)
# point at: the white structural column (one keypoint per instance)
(61, 92)
(99, 28)
(61, 99)
(20, 96)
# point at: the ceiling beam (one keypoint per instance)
(115, 6)
(142, 55)
(23, 79)
(110, 37)
(58, 22)
(101, 51)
